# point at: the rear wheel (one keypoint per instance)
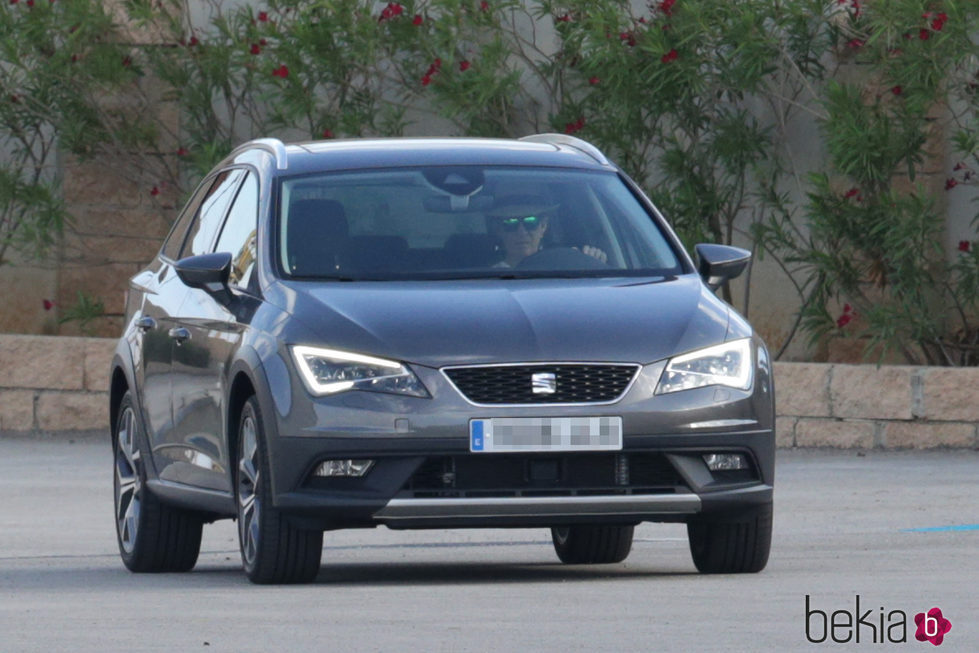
(726, 545)
(152, 536)
(272, 549)
(592, 544)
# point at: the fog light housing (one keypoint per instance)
(343, 468)
(718, 462)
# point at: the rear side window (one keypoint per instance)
(239, 232)
(212, 212)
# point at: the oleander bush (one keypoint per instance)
(696, 99)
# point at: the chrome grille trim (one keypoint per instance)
(625, 391)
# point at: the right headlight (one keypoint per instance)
(328, 371)
(728, 364)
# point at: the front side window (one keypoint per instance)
(239, 232)
(467, 222)
(211, 215)
(171, 248)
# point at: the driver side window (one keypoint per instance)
(240, 232)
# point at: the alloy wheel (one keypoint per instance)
(128, 482)
(249, 507)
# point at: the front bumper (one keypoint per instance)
(432, 483)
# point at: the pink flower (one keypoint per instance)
(255, 49)
(484, 6)
(564, 18)
(572, 127)
(853, 192)
(48, 304)
(282, 71)
(182, 151)
(951, 183)
(193, 41)
(426, 79)
(924, 34)
(263, 16)
(464, 65)
(628, 38)
(856, 44)
(939, 22)
(327, 133)
(897, 90)
(844, 319)
(666, 6)
(154, 191)
(417, 20)
(965, 246)
(593, 80)
(672, 55)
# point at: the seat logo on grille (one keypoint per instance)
(544, 383)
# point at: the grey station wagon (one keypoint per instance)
(444, 333)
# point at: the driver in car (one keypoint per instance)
(520, 222)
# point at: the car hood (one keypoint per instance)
(437, 323)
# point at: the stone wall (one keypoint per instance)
(54, 384)
(60, 384)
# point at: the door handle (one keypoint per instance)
(145, 324)
(179, 334)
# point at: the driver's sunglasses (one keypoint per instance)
(530, 223)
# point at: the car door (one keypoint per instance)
(205, 334)
(181, 459)
(159, 294)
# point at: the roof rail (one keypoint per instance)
(273, 146)
(571, 141)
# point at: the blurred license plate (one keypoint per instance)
(546, 434)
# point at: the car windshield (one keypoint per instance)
(467, 222)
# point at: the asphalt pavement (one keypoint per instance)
(899, 530)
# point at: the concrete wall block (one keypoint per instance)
(785, 431)
(105, 282)
(98, 358)
(839, 434)
(869, 392)
(802, 389)
(949, 394)
(73, 411)
(921, 435)
(42, 362)
(16, 410)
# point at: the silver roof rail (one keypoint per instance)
(273, 146)
(570, 141)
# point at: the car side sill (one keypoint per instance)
(193, 498)
(579, 506)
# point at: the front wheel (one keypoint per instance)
(272, 549)
(592, 544)
(152, 536)
(732, 545)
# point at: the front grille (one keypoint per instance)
(480, 475)
(575, 383)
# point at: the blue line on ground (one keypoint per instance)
(939, 529)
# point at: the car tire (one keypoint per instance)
(152, 536)
(592, 544)
(272, 549)
(724, 545)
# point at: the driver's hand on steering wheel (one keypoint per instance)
(594, 252)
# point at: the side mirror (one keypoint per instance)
(209, 272)
(720, 263)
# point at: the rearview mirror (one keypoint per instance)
(720, 263)
(209, 272)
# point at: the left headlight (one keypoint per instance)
(728, 364)
(328, 371)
